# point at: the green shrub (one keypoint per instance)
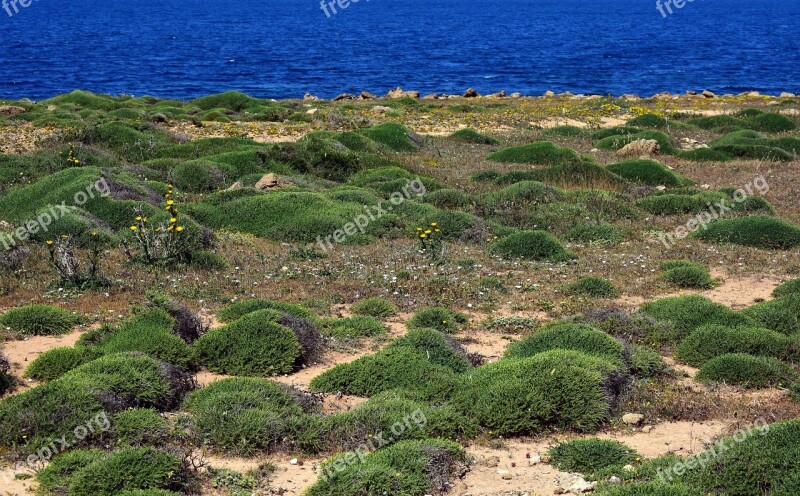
(408, 467)
(353, 327)
(149, 332)
(714, 121)
(779, 315)
(398, 367)
(787, 288)
(645, 362)
(687, 313)
(648, 489)
(252, 345)
(687, 274)
(387, 180)
(198, 176)
(127, 469)
(746, 370)
(756, 231)
(650, 172)
(616, 142)
(55, 477)
(771, 123)
(451, 199)
(522, 193)
(559, 389)
(593, 286)
(39, 320)
(587, 456)
(539, 152)
(766, 461)
(56, 362)
(566, 130)
(243, 415)
(440, 318)
(615, 131)
(377, 307)
(601, 233)
(472, 136)
(568, 336)
(712, 340)
(705, 155)
(139, 427)
(678, 203)
(237, 310)
(231, 100)
(392, 135)
(436, 346)
(485, 175)
(648, 120)
(531, 245)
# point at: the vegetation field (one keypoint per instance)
(400, 296)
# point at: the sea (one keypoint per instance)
(286, 48)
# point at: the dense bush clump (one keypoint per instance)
(139, 427)
(555, 389)
(239, 309)
(709, 341)
(408, 467)
(39, 320)
(781, 314)
(756, 231)
(615, 142)
(252, 345)
(586, 456)
(469, 135)
(745, 370)
(442, 319)
(540, 152)
(531, 245)
(243, 415)
(568, 336)
(593, 286)
(687, 313)
(380, 308)
(650, 172)
(687, 274)
(600, 233)
(56, 362)
(787, 288)
(392, 135)
(7, 380)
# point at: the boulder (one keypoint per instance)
(549, 93)
(786, 94)
(344, 96)
(235, 186)
(272, 181)
(471, 93)
(9, 110)
(709, 94)
(309, 97)
(366, 95)
(380, 109)
(431, 96)
(499, 94)
(633, 418)
(516, 94)
(639, 147)
(400, 93)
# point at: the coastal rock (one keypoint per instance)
(272, 181)
(366, 95)
(499, 94)
(630, 98)
(516, 94)
(471, 93)
(751, 93)
(663, 94)
(235, 186)
(380, 109)
(549, 93)
(400, 93)
(309, 97)
(709, 94)
(431, 96)
(640, 147)
(312, 111)
(9, 110)
(633, 418)
(344, 96)
(786, 94)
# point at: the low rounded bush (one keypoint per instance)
(398, 367)
(648, 489)
(677, 203)
(252, 345)
(686, 274)
(648, 120)
(616, 142)
(756, 231)
(781, 314)
(139, 427)
(586, 456)
(522, 193)
(408, 467)
(450, 199)
(597, 287)
(353, 327)
(712, 340)
(485, 175)
(55, 477)
(568, 336)
(531, 245)
(787, 288)
(745, 370)
(539, 152)
(377, 307)
(239, 309)
(650, 172)
(771, 123)
(557, 389)
(687, 313)
(39, 320)
(442, 319)
(243, 415)
(392, 135)
(705, 155)
(56, 362)
(566, 130)
(469, 135)
(436, 346)
(646, 362)
(601, 233)
(127, 469)
(7, 381)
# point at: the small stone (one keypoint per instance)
(559, 490)
(312, 111)
(380, 109)
(431, 96)
(516, 94)
(366, 95)
(534, 460)
(293, 461)
(545, 458)
(309, 97)
(499, 94)
(549, 93)
(614, 480)
(633, 418)
(647, 429)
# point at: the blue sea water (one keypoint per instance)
(284, 48)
